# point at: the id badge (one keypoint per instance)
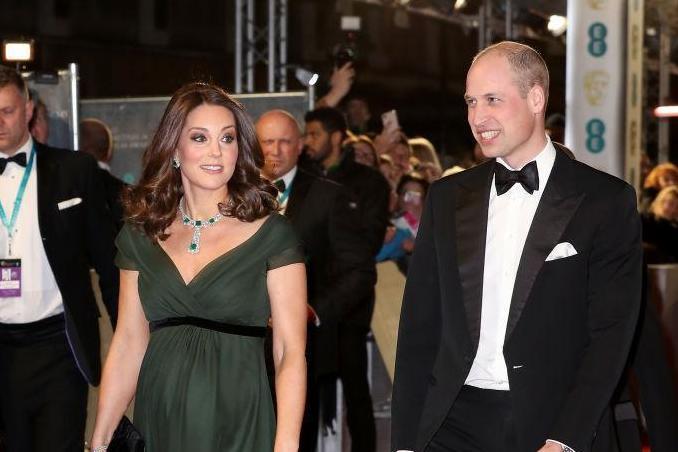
(10, 278)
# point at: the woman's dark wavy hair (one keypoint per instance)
(151, 206)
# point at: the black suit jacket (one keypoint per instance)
(76, 239)
(370, 193)
(112, 190)
(340, 269)
(570, 323)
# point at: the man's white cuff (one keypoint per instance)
(565, 447)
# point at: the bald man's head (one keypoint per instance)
(281, 142)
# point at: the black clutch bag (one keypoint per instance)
(126, 438)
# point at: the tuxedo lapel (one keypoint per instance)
(471, 230)
(300, 187)
(47, 179)
(556, 207)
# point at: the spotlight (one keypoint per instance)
(667, 111)
(557, 25)
(306, 77)
(459, 4)
(17, 51)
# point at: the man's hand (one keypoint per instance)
(341, 82)
(342, 79)
(407, 245)
(390, 233)
(386, 139)
(552, 446)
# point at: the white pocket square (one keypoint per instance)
(560, 251)
(69, 203)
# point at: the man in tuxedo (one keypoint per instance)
(340, 269)
(524, 287)
(325, 131)
(55, 226)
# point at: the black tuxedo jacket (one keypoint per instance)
(76, 239)
(340, 267)
(571, 320)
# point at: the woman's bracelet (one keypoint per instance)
(102, 448)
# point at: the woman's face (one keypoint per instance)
(669, 208)
(400, 154)
(430, 171)
(363, 153)
(387, 170)
(208, 148)
(668, 179)
(411, 197)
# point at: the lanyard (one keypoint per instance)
(11, 222)
(282, 197)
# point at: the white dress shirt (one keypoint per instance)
(509, 219)
(40, 297)
(288, 178)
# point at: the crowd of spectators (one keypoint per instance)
(659, 204)
(403, 160)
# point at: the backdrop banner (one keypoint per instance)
(634, 92)
(595, 83)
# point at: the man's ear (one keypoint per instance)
(336, 138)
(537, 99)
(30, 108)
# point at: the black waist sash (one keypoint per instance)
(228, 328)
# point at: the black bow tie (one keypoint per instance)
(280, 185)
(504, 178)
(19, 159)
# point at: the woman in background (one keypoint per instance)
(661, 176)
(399, 241)
(363, 150)
(427, 157)
(660, 227)
(205, 262)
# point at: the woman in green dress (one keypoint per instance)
(205, 262)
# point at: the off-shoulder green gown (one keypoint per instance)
(200, 390)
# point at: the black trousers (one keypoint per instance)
(309, 426)
(43, 396)
(353, 374)
(480, 420)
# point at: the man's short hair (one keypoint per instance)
(331, 119)
(526, 63)
(9, 76)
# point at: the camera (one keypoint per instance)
(343, 53)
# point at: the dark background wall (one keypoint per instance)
(151, 47)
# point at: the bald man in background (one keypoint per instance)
(339, 265)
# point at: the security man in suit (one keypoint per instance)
(339, 265)
(55, 227)
(325, 131)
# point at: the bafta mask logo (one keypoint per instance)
(595, 87)
(597, 5)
